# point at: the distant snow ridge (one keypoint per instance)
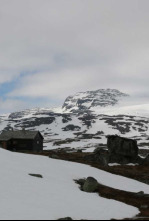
(85, 121)
(87, 100)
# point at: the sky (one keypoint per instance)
(50, 49)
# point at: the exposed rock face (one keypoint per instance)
(71, 127)
(86, 100)
(90, 185)
(122, 150)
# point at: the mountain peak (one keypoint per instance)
(86, 100)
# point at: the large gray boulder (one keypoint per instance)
(90, 185)
(122, 150)
(122, 146)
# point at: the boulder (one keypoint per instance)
(99, 151)
(102, 159)
(90, 185)
(122, 150)
(100, 156)
(122, 146)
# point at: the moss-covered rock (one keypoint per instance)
(90, 185)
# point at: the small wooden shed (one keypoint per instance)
(22, 140)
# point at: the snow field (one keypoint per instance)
(56, 195)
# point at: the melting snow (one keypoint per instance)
(56, 195)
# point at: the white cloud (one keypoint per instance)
(73, 46)
(55, 84)
(8, 105)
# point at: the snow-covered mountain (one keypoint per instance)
(57, 195)
(90, 99)
(84, 128)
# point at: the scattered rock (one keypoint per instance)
(99, 150)
(90, 185)
(54, 156)
(144, 207)
(104, 160)
(36, 175)
(140, 194)
(66, 218)
(66, 141)
(100, 156)
(71, 127)
(79, 151)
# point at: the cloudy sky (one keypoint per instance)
(50, 49)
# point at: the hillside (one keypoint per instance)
(56, 195)
(43, 188)
(84, 121)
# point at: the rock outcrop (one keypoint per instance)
(122, 146)
(120, 150)
(123, 150)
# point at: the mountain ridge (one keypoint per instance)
(84, 101)
(84, 129)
